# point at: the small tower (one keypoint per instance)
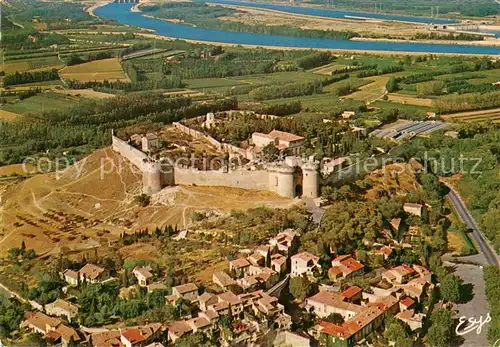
(284, 177)
(151, 177)
(310, 180)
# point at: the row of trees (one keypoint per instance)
(286, 91)
(315, 59)
(30, 77)
(467, 102)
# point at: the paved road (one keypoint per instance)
(480, 240)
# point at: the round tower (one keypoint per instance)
(273, 179)
(151, 177)
(284, 177)
(310, 180)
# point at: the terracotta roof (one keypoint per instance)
(395, 223)
(91, 271)
(223, 278)
(229, 297)
(284, 136)
(278, 259)
(64, 305)
(71, 274)
(185, 288)
(144, 271)
(140, 334)
(306, 256)
(407, 301)
(351, 292)
(341, 258)
(106, 339)
(334, 300)
(198, 322)
(239, 263)
(352, 264)
(179, 328)
(384, 250)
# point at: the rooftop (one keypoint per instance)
(239, 263)
(305, 256)
(185, 288)
(91, 271)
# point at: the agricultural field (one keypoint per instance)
(43, 102)
(6, 115)
(98, 70)
(34, 64)
(474, 116)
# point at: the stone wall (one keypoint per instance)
(220, 146)
(240, 178)
(134, 155)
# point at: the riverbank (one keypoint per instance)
(168, 30)
(486, 42)
(92, 8)
(280, 48)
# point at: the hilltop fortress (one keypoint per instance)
(291, 177)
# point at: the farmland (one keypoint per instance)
(44, 102)
(99, 70)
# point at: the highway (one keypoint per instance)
(479, 239)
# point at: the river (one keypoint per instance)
(121, 13)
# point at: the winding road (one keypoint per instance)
(480, 240)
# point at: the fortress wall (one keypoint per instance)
(244, 179)
(132, 154)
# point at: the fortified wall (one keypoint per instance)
(291, 178)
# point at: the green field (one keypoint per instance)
(40, 103)
(326, 102)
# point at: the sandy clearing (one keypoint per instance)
(89, 93)
(406, 99)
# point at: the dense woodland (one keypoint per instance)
(88, 124)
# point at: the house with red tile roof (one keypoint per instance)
(222, 279)
(284, 241)
(188, 291)
(406, 303)
(139, 336)
(281, 139)
(399, 274)
(413, 319)
(50, 327)
(240, 266)
(345, 266)
(324, 304)
(109, 338)
(357, 327)
(352, 294)
(92, 273)
(278, 263)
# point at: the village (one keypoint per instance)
(246, 308)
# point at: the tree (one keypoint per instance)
(271, 153)
(396, 332)
(391, 85)
(142, 200)
(451, 288)
(300, 287)
(441, 332)
(334, 318)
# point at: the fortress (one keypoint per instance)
(292, 177)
